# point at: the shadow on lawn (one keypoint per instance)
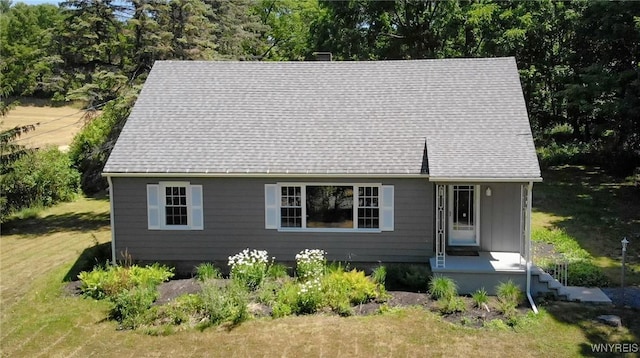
(33, 227)
(596, 209)
(584, 316)
(98, 254)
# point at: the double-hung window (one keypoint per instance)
(174, 206)
(329, 207)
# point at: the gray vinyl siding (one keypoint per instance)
(500, 217)
(234, 217)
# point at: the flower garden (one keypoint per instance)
(257, 286)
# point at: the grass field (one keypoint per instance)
(57, 126)
(39, 319)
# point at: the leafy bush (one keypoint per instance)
(408, 277)
(351, 287)
(309, 297)
(581, 270)
(92, 145)
(286, 300)
(585, 273)
(452, 304)
(183, 308)
(509, 297)
(131, 305)
(249, 268)
(379, 275)
(224, 304)
(39, 178)
(277, 270)
(496, 324)
(562, 242)
(207, 271)
(554, 154)
(103, 282)
(480, 297)
(441, 287)
(310, 263)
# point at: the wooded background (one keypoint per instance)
(578, 60)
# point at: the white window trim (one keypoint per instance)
(161, 207)
(303, 186)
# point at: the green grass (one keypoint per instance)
(39, 318)
(585, 214)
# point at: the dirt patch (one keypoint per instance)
(170, 290)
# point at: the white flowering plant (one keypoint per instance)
(310, 264)
(249, 267)
(309, 296)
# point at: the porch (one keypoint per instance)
(486, 270)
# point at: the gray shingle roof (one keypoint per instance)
(330, 118)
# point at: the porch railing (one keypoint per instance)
(561, 271)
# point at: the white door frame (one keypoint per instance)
(468, 237)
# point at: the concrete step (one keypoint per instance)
(592, 295)
(554, 284)
(545, 277)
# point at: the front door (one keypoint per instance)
(463, 215)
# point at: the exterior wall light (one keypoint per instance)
(488, 191)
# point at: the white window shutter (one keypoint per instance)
(153, 207)
(196, 208)
(387, 222)
(270, 206)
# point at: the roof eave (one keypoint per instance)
(535, 179)
(260, 175)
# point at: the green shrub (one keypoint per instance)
(91, 146)
(441, 287)
(554, 154)
(207, 271)
(150, 275)
(249, 268)
(309, 297)
(277, 270)
(224, 304)
(39, 178)
(408, 277)
(480, 297)
(268, 290)
(379, 275)
(310, 264)
(509, 297)
(130, 307)
(103, 282)
(585, 273)
(452, 304)
(562, 243)
(182, 309)
(286, 300)
(496, 324)
(350, 286)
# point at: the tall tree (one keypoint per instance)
(288, 28)
(27, 56)
(238, 29)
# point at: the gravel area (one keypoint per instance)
(631, 296)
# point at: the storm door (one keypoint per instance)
(463, 215)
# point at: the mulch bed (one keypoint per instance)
(472, 317)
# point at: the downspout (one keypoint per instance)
(113, 229)
(528, 245)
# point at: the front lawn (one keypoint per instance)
(40, 318)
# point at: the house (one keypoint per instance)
(419, 161)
